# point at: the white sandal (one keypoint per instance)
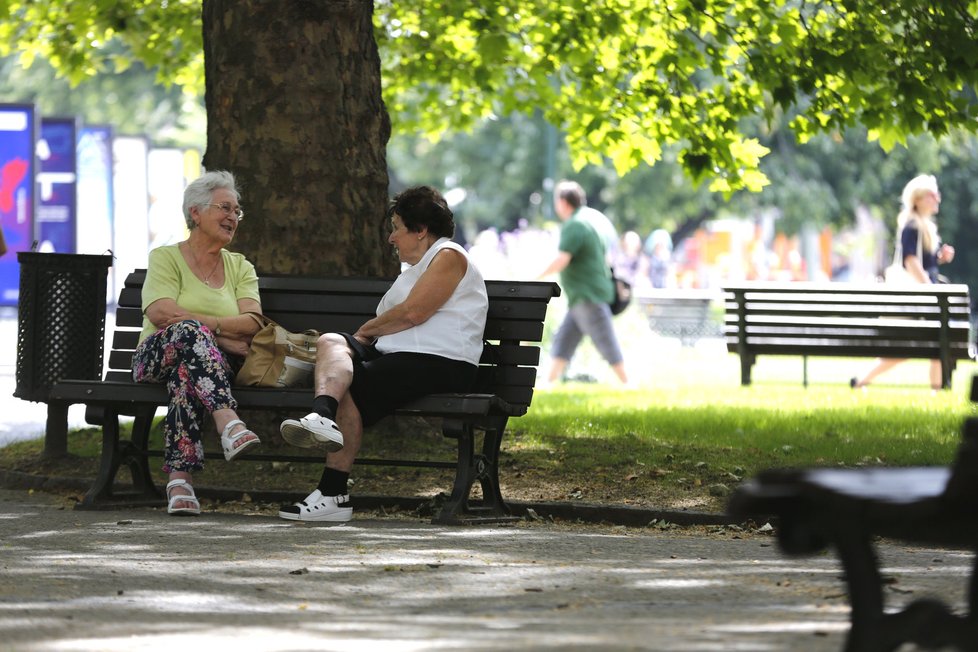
(228, 440)
(191, 498)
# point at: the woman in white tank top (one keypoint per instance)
(425, 339)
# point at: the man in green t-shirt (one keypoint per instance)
(586, 279)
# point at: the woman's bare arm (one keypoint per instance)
(430, 293)
(234, 332)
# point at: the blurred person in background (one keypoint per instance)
(921, 251)
(585, 277)
(631, 263)
(658, 246)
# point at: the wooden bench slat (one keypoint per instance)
(126, 340)
(503, 355)
(334, 304)
(753, 333)
(128, 317)
(128, 394)
(867, 311)
(342, 323)
(870, 346)
(869, 289)
(837, 350)
(882, 323)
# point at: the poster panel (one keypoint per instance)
(55, 223)
(166, 185)
(18, 136)
(95, 204)
(130, 228)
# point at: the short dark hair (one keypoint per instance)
(572, 193)
(423, 206)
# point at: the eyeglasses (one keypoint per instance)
(228, 211)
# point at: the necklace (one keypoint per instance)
(200, 270)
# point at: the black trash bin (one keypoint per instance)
(61, 320)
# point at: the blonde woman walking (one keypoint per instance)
(922, 251)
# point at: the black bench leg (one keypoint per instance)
(101, 490)
(973, 607)
(947, 370)
(472, 467)
(746, 362)
(927, 622)
(968, 639)
(56, 431)
(136, 458)
(115, 452)
(865, 594)
(492, 496)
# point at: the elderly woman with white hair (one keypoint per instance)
(921, 251)
(195, 333)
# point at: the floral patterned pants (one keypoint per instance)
(198, 377)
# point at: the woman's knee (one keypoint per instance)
(332, 342)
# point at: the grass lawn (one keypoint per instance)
(689, 431)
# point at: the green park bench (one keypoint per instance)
(848, 320)
(507, 375)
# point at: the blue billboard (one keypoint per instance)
(18, 135)
(55, 218)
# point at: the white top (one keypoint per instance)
(455, 331)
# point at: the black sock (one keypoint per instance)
(333, 482)
(325, 406)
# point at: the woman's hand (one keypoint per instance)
(945, 254)
(177, 318)
(233, 346)
(364, 339)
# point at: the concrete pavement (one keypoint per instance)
(239, 578)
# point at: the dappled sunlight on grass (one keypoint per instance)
(694, 435)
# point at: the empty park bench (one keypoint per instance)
(847, 508)
(682, 313)
(506, 378)
(847, 320)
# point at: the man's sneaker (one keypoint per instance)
(313, 431)
(317, 507)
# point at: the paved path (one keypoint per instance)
(138, 579)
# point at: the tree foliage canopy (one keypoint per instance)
(81, 38)
(624, 79)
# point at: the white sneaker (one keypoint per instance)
(317, 507)
(312, 431)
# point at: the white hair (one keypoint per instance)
(201, 189)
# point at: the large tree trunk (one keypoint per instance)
(294, 109)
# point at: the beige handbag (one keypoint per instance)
(278, 357)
